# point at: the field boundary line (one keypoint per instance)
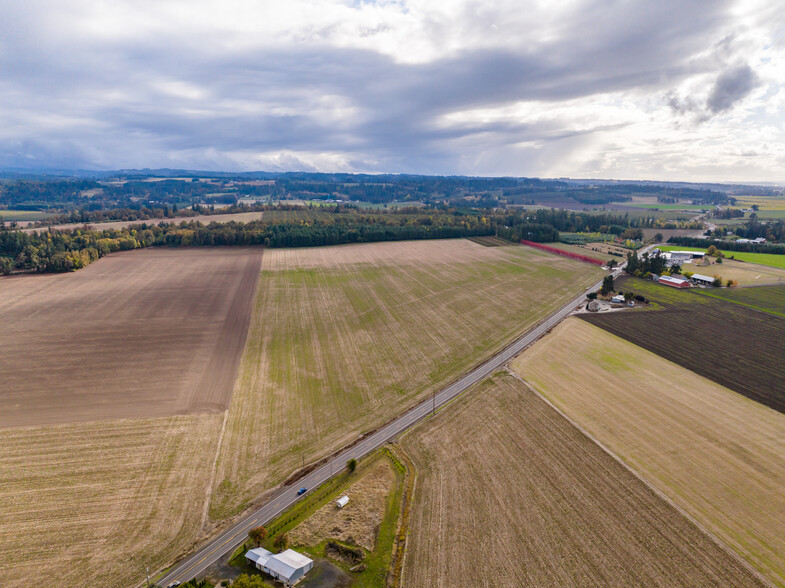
(213, 469)
(721, 544)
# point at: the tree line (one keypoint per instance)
(778, 249)
(68, 250)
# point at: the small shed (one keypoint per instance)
(342, 501)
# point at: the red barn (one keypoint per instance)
(674, 281)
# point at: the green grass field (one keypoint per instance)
(769, 299)
(769, 259)
(342, 338)
(23, 215)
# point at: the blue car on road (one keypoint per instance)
(302, 491)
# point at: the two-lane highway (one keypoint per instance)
(236, 535)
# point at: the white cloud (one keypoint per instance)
(578, 87)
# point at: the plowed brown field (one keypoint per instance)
(345, 337)
(509, 493)
(717, 455)
(138, 334)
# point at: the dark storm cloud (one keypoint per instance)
(106, 104)
(732, 85)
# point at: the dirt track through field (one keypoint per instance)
(509, 493)
(143, 333)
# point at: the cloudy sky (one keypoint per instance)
(650, 89)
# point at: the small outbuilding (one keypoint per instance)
(674, 281)
(618, 299)
(342, 501)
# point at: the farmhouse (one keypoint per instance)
(702, 280)
(288, 566)
(618, 299)
(674, 281)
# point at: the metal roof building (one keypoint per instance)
(699, 279)
(674, 281)
(288, 566)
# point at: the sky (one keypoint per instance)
(661, 90)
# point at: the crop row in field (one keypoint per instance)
(766, 298)
(717, 455)
(714, 453)
(769, 259)
(342, 337)
(509, 493)
(140, 334)
(725, 342)
(92, 504)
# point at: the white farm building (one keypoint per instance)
(288, 566)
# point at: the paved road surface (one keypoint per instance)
(237, 534)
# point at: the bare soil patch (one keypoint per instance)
(509, 493)
(716, 454)
(358, 522)
(138, 334)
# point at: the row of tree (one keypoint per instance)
(66, 250)
(778, 249)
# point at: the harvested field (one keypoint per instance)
(356, 523)
(714, 453)
(509, 493)
(240, 217)
(143, 333)
(728, 343)
(344, 337)
(766, 299)
(491, 241)
(91, 504)
(744, 274)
